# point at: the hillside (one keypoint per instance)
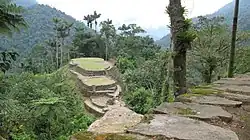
(40, 27)
(25, 3)
(227, 12)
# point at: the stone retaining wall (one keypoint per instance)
(114, 73)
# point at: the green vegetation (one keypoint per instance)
(41, 106)
(201, 91)
(140, 100)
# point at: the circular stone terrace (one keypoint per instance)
(92, 64)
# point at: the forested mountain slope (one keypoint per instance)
(244, 17)
(25, 3)
(40, 27)
(227, 12)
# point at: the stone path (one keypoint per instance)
(194, 110)
(216, 116)
(182, 128)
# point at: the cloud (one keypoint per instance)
(146, 13)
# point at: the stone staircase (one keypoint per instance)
(100, 91)
(223, 114)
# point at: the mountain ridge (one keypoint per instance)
(227, 12)
(39, 19)
(25, 3)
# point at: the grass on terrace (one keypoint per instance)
(91, 63)
(98, 81)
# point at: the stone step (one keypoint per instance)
(232, 82)
(116, 93)
(100, 101)
(93, 108)
(194, 110)
(116, 120)
(97, 82)
(245, 99)
(101, 92)
(209, 100)
(234, 89)
(181, 128)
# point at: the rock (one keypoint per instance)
(238, 82)
(100, 101)
(92, 136)
(181, 128)
(194, 110)
(210, 100)
(234, 89)
(237, 97)
(116, 120)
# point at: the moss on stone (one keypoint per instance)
(201, 91)
(186, 111)
(92, 136)
(204, 91)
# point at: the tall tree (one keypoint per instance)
(62, 29)
(56, 22)
(95, 16)
(210, 50)
(108, 32)
(234, 32)
(87, 19)
(181, 42)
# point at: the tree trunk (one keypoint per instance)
(52, 59)
(68, 54)
(234, 31)
(61, 57)
(57, 50)
(176, 11)
(106, 48)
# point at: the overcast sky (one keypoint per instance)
(146, 13)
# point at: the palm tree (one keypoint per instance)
(64, 31)
(87, 19)
(95, 17)
(56, 22)
(107, 31)
(10, 17)
(234, 31)
(52, 50)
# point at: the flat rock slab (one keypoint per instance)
(100, 101)
(210, 100)
(245, 99)
(116, 120)
(237, 82)
(194, 110)
(234, 89)
(182, 128)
